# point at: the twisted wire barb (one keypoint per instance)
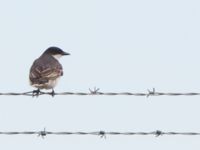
(96, 91)
(102, 134)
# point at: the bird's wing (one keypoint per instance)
(42, 73)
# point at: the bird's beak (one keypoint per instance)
(65, 53)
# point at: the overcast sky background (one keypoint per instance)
(116, 45)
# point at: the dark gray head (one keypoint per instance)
(55, 52)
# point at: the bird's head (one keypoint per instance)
(55, 52)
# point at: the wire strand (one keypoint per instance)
(44, 133)
(96, 92)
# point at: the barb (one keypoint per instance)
(96, 91)
(102, 134)
(42, 133)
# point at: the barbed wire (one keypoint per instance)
(102, 134)
(96, 91)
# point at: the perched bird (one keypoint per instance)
(46, 70)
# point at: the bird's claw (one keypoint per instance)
(52, 93)
(36, 92)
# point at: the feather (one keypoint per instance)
(45, 69)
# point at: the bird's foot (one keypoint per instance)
(52, 93)
(36, 92)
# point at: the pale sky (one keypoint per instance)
(115, 45)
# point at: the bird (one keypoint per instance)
(46, 70)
